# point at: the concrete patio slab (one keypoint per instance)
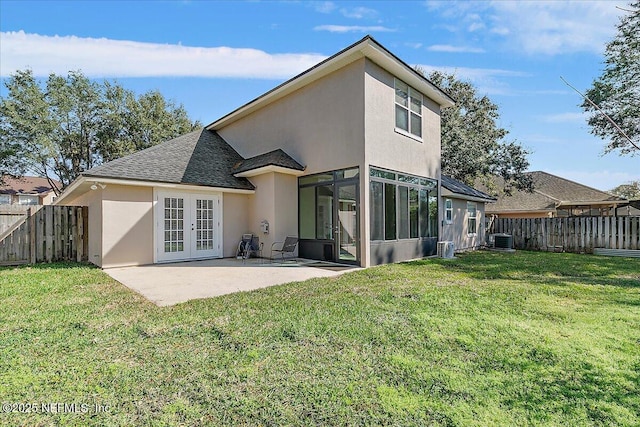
(169, 284)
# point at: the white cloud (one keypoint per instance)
(564, 118)
(121, 58)
(602, 179)
(413, 45)
(359, 12)
(454, 49)
(556, 27)
(475, 26)
(353, 29)
(536, 27)
(487, 80)
(324, 6)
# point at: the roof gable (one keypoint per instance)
(197, 158)
(367, 47)
(273, 158)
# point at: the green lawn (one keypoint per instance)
(487, 339)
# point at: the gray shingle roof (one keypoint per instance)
(458, 187)
(549, 191)
(272, 158)
(198, 158)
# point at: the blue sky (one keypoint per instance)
(212, 57)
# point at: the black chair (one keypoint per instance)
(288, 247)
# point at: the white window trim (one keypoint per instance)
(410, 92)
(448, 209)
(469, 217)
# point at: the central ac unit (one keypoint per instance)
(445, 249)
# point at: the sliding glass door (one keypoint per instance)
(329, 216)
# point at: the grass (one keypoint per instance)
(487, 339)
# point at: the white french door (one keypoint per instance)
(188, 226)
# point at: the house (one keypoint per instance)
(554, 196)
(463, 214)
(27, 191)
(346, 155)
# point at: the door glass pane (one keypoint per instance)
(376, 209)
(173, 228)
(389, 211)
(403, 212)
(307, 211)
(347, 221)
(204, 225)
(324, 212)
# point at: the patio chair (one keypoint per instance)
(288, 247)
(249, 245)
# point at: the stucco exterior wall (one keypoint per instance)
(276, 201)
(320, 125)
(458, 231)
(386, 148)
(93, 200)
(127, 225)
(235, 221)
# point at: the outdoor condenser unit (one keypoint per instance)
(445, 249)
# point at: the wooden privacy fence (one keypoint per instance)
(52, 233)
(10, 214)
(575, 234)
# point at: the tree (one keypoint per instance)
(617, 91)
(73, 124)
(473, 145)
(629, 191)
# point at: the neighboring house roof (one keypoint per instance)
(366, 47)
(276, 158)
(198, 158)
(27, 185)
(550, 192)
(462, 189)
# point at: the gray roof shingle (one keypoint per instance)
(197, 158)
(458, 187)
(272, 158)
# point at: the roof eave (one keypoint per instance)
(367, 47)
(76, 186)
(269, 168)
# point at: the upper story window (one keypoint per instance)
(5, 199)
(408, 109)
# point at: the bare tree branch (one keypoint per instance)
(606, 116)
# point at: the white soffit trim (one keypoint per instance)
(267, 169)
(366, 48)
(77, 186)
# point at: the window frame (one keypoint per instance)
(5, 199)
(411, 93)
(422, 187)
(30, 197)
(448, 211)
(473, 218)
